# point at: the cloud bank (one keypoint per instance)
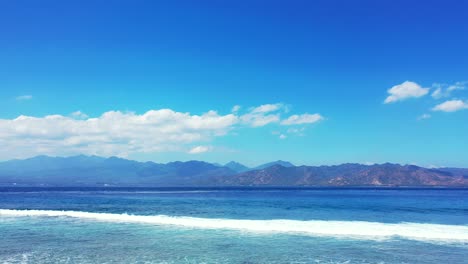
(112, 133)
(123, 133)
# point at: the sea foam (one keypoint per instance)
(349, 229)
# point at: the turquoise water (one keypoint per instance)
(233, 226)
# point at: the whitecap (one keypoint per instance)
(349, 229)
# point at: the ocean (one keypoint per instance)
(233, 225)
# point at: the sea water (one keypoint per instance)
(233, 225)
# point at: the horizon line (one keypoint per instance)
(224, 164)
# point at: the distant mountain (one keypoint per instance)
(456, 171)
(236, 166)
(345, 175)
(113, 171)
(278, 162)
(41, 163)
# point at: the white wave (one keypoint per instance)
(351, 229)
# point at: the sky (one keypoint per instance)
(310, 82)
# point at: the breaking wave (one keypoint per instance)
(350, 229)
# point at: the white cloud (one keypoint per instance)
(424, 116)
(404, 91)
(200, 149)
(259, 119)
(270, 113)
(235, 108)
(116, 133)
(79, 115)
(262, 115)
(302, 119)
(451, 106)
(282, 136)
(113, 133)
(444, 90)
(266, 108)
(24, 97)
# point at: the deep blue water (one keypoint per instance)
(183, 225)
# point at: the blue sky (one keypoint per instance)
(329, 64)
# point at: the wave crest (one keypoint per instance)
(352, 229)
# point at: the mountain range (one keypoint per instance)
(98, 171)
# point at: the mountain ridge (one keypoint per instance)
(236, 166)
(278, 162)
(98, 171)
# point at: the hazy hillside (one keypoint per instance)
(236, 166)
(346, 175)
(98, 171)
(278, 162)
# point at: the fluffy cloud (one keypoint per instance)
(404, 91)
(200, 149)
(302, 119)
(271, 113)
(113, 133)
(451, 106)
(410, 89)
(24, 97)
(262, 115)
(259, 119)
(266, 108)
(444, 90)
(123, 133)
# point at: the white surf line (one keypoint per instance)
(352, 229)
